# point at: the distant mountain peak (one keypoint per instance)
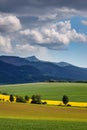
(32, 58)
(63, 64)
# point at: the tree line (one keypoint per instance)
(36, 99)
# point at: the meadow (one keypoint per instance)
(77, 92)
(23, 124)
(25, 116)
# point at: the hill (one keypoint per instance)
(23, 70)
(14, 74)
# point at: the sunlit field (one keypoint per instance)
(6, 98)
(77, 92)
(31, 111)
(24, 116)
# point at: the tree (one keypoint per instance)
(65, 99)
(20, 99)
(11, 98)
(26, 98)
(36, 99)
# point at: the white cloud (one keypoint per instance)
(25, 47)
(54, 13)
(84, 22)
(26, 50)
(57, 13)
(48, 32)
(34, 35)
(9, 23)
(5, 44)
(9, 30)
(54, 36)
(78, 37)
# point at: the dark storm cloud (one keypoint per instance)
(28, 5)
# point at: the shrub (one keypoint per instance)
(68, 105)
(44, 102)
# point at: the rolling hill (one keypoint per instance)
(23, 70)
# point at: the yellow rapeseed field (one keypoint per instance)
(5, 98)
(78, 104)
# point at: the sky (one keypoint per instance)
(51, 30)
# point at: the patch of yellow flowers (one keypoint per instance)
(78, 104)
(6, 98)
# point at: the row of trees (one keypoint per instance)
(19, 99)
(36, 99)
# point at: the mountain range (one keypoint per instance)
(15, 69)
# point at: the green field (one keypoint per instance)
(53, 91)
(21, 124)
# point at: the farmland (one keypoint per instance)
(24, 116)
(77, 92)
(33, 117)
(31, 111)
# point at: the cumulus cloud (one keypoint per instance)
(9, 29)
(5, 44)
(9, 23)
(54, 36)
(26, 25)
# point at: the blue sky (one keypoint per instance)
(76, 53)
(52, 30)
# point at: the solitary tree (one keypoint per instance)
(65, 99)
(11, 98)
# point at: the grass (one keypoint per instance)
(21, 124)
(52, 91)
